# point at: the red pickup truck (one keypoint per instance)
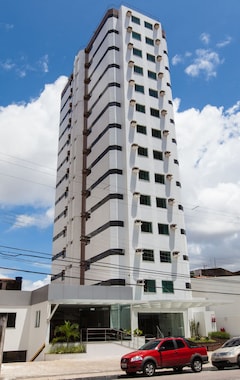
(160, 353)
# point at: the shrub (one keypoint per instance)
(219, 335)
(67, 349)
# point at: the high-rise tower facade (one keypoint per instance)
(119, 219)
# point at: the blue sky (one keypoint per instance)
(39, 40)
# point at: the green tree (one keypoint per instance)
(66, 332)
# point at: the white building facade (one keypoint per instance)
(119, 220)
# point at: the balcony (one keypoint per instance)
(159, 58)
(129, 13)
(157, 41)
(163, 113)
(171, 201)
(160, 75)
(162, 93)
(132, 102)
(156, 26)
(130, 63)
(129, 29)
(130, 45)
(169, 177)
(173, 227)
(165, 133)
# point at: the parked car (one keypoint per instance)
(168, 352)
(228, 355)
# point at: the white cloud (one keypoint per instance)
(176, 60)
(208, 143)
(205, 38)
(205, 62)
(42, 219)
(6, 26)
(224, 43)
(32, 285)
(28, 163)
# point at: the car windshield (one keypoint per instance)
(150, 345)
(232, 343)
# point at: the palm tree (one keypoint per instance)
(67, 331)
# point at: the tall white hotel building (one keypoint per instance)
(119, 220)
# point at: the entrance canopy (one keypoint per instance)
(111, 295)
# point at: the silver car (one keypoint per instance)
(228, 355)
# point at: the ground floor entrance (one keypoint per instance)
(161, 324)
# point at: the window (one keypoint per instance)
(148, 255)
(150, 286)
(176, 162)
(180, 207)
(11, 319)
(138, 70)
(185, 257)
(182, 231)
(168, 345)
(180, 343)
(156, 133)
(144, 175)
(165, 257)
(148, 25)
(161, 202)
(137, 52)
(159, 178)
(154, 112)
(178, 184)
(142, 151)
(139, 88)
(157, 155)
(174, 141)
(152, 74)
(140, 108)
(188, 285)
(150, 57)
(167, 287)
(172, 121)
(145, 200)
(146, 227)
(141, 129)
(149, 41)
(136, 20)
(137, 36)
(163, 229)
(37, 318)
(153, 93)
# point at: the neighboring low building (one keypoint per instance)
(10, 283)
(223, 289)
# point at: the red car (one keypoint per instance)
(160, 353)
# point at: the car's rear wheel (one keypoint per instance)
(196, 365)
(149, 368)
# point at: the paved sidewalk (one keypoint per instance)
(100, 365)
(100, 362)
